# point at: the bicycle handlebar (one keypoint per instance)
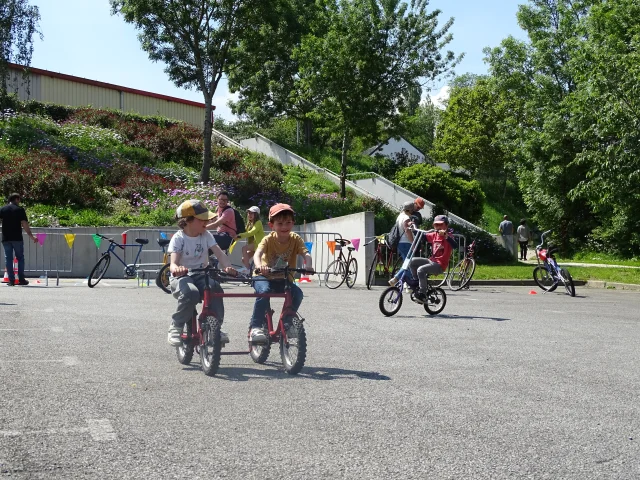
(286, 270)
(110, 240)
(542, 238)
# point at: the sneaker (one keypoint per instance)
(420, 297)
(257, 335)
(24, 281)
(393, 281)
(11, 283)
(174, 338)
(224, 338)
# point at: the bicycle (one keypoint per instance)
(100, 268)
(342, 268)
(460, 276)
(385, 262)
(549, 275)
(391, 298)
(162, 279)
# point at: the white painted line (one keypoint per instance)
(70, 361)
(53, 329)
(472, 299)
(101, 430)
(57, 329)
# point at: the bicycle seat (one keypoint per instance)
(163, 242)
(142, 241)
(342, 242)
(351, 249)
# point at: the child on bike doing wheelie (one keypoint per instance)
(442, 244)
(189, 249)
(277, 250)
(254, 235)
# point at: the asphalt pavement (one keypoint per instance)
(502, 384)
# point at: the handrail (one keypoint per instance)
(226, 138)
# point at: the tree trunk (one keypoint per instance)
(206, 154)
(307, 127)
(343, 167)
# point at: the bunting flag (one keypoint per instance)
(309, 246)
(232, 246)
(332, 246)
(124, 238)
(41, 237)
(97, 240)
(70, 238)
(356, 243)
(163, 235)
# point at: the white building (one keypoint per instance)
(400, 146)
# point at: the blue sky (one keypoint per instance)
(82, 38)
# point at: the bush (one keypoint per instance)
(462, 197)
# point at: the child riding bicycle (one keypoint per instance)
(442, 245)
(276, 250)
(189, 249)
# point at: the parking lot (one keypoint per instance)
(502, 384)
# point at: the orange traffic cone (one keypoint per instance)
(305, 280)
(5, 279)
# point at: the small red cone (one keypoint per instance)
(305, 280)
(532, 292)
(6, 277)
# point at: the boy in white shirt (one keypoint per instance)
(189, 248)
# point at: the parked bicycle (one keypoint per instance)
(162, 279)
(549, 275)
(460, 276)
(100, 268)
(391, 298)
(202, 334)
(342, 269)
(385, 262)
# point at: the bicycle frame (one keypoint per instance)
(112, 250)
(540, 252)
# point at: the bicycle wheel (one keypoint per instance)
(395, 267)
(259, 353)
(336, 274)
(352, 272)
(461, 274)
(390, 301)
(293, 352)
(436, 300)
(210, 347)
(162, 279)
(99, 270)
(568, 282)
(185, 351)
(371, 277)
(543, 278)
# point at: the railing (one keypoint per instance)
(230, 142)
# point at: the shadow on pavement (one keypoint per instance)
(454, 317)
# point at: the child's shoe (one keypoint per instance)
(393, 281)
(175, 338)
(257, 335)
(224, 338)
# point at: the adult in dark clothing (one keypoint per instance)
(14, 219)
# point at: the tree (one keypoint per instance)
(18, 24)
(373, 53)
(195, 39)
(420, 128)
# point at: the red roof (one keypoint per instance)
(110, 86)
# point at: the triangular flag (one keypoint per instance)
(309, 246)
(231, 247)
(163, 235)
(356, 243)
(97, 240)
(41, 237)
(70, 238)
(124, 238)
(332, 246)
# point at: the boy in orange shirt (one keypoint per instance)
(276, 250)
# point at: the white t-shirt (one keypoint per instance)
(403, 217)
(194, 250)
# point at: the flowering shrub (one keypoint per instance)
(88, 137)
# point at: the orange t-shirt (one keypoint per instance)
(279, 255)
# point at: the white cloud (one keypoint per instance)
(221, 102)
(441, 96)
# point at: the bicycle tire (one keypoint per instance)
(568, 282)
(436, 301)
(396, 266)
(335, 275)
(352, 273)
(459, 277)
(259, 353)
(438, 282)
(293, 352)
(210, 347)
(99, 270)
(371, 277)
(543, 278)
(162, 279)
(184, 352)
(393, 297)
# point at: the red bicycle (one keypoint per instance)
(202, 334)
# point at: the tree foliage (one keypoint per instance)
(195, 39)
(18, 24)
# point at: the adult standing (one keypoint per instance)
(524, 235)
(506, 227)
(225, 223)
(14, 219)
(404, 245)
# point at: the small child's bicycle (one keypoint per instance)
(549, 275)
(435, 298)
(202, 334)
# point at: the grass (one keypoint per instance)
(500, 202)
(603, 258)
(525, 272)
